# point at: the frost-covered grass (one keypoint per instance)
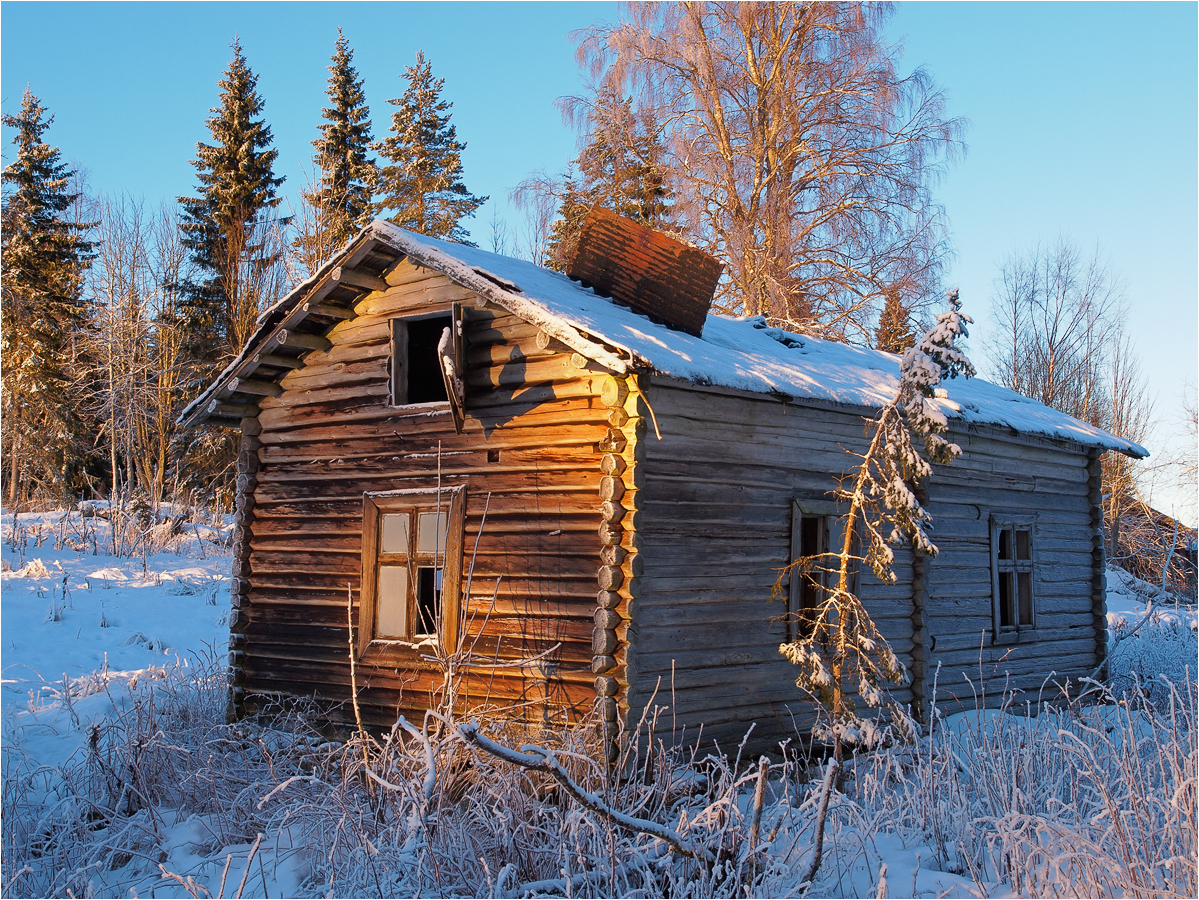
(1166, 642)
(130, 780)
(165, 797)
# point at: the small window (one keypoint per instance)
(416, 372)
(1012, 566)
(411, 564)
(815, 537)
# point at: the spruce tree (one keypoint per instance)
(422, 187)
(342, 198)
(894, 332)
(223, 228)
(620, 168)
(44, 258)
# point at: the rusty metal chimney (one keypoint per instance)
(645, 270)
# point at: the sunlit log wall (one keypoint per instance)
(529, 456)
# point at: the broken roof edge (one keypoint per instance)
(465, 275)
(578, 330)
(268, 322)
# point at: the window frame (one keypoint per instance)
(376, 504)
(826, 512)
(1012, 568)
(397, 367)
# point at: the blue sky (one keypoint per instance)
(1083, 119)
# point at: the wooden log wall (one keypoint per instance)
(530, 458)
(999, 473)
(239, 583)
(1098, 554)
(714, 501)
(615, 637)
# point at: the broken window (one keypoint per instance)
(416, 371)
(1013, 602)
(411, 564)
(427, 357)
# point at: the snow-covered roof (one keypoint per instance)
(740, 353)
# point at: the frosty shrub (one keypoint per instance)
(413, 812)
(1092, 801)
(166, 799)
(1163, 652)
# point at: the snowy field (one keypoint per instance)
(121, 777)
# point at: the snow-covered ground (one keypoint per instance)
(120, 775)
(74, 619)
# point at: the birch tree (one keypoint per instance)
(1059, 337)
(799, 155)
(137, 371)
(1056, 315)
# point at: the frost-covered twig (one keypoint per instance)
(249, 861)
(826, 791)
(538, 759)
(284, 785)
(430, 783)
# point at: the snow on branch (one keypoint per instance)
(840, 650)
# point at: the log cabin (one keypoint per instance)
(578, 494)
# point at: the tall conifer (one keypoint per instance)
(894, 332)
(348, 175)
(223, 227)
(422, 187)
(44, 258)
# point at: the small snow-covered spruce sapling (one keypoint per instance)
(839, 643)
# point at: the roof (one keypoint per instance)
(740, 353)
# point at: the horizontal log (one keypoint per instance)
(352, 353)
(226, 409)
(325, 310)
(415, 297)
(496, 331)
(296, 339)
(253, 386)
(337, 374)
(378, 390)
(278, 361)
(358, 278)
(550, 370)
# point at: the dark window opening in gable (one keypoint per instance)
(415, 368)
